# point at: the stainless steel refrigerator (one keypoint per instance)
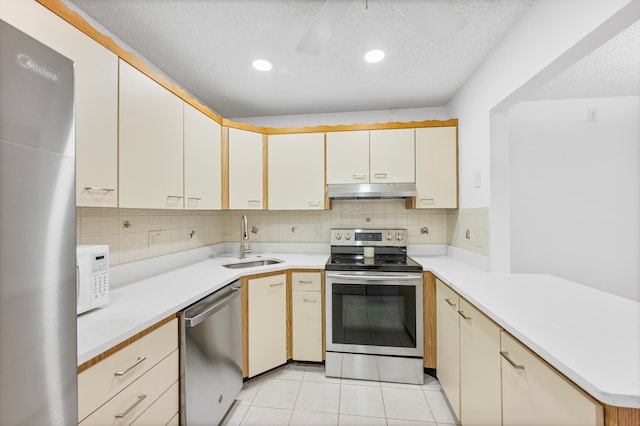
(38, 381)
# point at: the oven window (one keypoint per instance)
(374, 315)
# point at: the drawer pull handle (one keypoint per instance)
(505, 355)
(276, 284)
(305, 281)
(134, 405)
(314, 203)
(449, 302)
(307, 299)
(194, 198)
(253, 202)
(427, 200)
(463, 315)
(96, 188)
(380, 175)
(135, 364)
(359, 175)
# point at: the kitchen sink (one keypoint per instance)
(252, 263)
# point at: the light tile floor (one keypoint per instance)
(301, 394)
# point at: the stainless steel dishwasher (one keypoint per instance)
(210, 356)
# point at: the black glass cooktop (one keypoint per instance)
(382, 262)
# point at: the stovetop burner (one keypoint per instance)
(349, 246)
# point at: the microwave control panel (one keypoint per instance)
(99, 276)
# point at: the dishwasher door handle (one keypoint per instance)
(213, 308)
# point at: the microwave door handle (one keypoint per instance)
(375, 277)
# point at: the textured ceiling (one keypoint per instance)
(613, 69)
(207, 46)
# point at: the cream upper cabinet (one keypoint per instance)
(348, 157)
(267, 323)
(448, 343)
(534, 394)
(245, 170)
(151, 143)
(96, 99)
(202, 166)
(480, 387)
(436, 168)
(392, 156)
(296, 171)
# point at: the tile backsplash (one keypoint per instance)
(136, 234)
(468, 229)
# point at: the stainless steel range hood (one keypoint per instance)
(357, 191)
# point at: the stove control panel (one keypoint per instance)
(369, 237)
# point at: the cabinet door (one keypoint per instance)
(448, 344)
(534, 394)
(245, 170)
(151, 148)
(480, 387)
(202, 178)
(392, 156)
(348, 157)
(96, 99)
(267, 323)
(296, 171)
(307, 325)
(436, 168)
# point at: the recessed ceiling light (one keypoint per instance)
(374, 56)
(262, 65)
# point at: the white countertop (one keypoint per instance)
(590, 336)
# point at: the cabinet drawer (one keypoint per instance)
(306, 281)
(99, 383)
(163, 410)
(137, 397)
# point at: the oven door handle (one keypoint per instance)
(376, 277)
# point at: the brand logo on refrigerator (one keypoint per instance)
(26, 62)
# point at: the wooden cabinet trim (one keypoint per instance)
(429, 318)
(265, 173)
(289, 331)
(93, 361)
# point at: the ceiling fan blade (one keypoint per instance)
(436, 18)
(322, 27)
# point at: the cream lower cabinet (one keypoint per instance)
(534, 394)
(96, 98)
(307, 316)
(448, 343)
(245, 170)
(267, 323)
(151, 143)
(296, 171)
(436, 168)
(480, 387)
(202, 163)
(138, 383)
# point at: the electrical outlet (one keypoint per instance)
(592, 114)
(477, 179)
(155, 238)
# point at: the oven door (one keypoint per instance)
(374, 313)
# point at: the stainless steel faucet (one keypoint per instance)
(244, 235)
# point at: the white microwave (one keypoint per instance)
(92, 277)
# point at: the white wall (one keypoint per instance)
(575, 191)
(546, 32)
